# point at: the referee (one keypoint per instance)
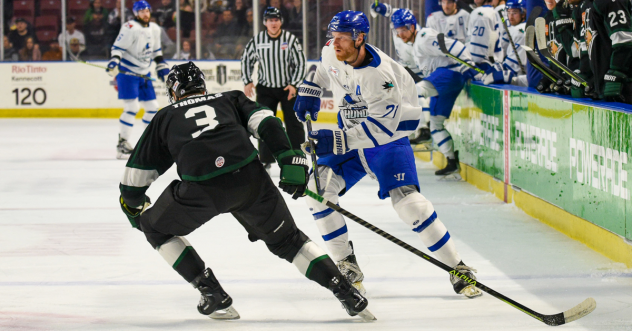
(281, 68)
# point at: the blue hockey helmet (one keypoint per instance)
(140, 5)
(403, 17)
(516, 4)
(355, 22)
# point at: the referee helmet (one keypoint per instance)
(272, 12)
(184, 79)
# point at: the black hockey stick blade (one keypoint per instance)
(534, 58)
(415, 77)
(577, 312)
(444, 50)
(540, 35)
(535, 13)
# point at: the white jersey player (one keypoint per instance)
(501, 8)
(482, 41)
(378, 109)
(137, 45)
(509, 71)
(451, 20)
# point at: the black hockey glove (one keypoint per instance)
(133, 213)
(294, 168)
(614, 83)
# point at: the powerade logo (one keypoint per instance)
(536, 145)
(599, 167)
(483, 129)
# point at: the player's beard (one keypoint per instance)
(346, 54)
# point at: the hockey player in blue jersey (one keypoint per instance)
(378, 109)
(137, 45)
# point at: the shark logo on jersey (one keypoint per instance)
(388, 85)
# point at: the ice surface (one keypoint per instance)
(69, 259)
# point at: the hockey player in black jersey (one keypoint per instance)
(609, 43)
(208, 137)
(580, 10)
(559, 32)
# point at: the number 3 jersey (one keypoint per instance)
(377, 103)
(205, 135)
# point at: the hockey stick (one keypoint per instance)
(577, 312)
(513, 45)
(444, 50)
(128, 73)
(540, 34)
(308, 120)
(534, 58)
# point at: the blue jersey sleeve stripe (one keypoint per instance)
(452, 46)
(462, 49)
(479, 45)
(444, 141)
(440, 243)
(512, 60)
(322, 214)
(426, 223)
(336, 233)
(379, 125)
(126, 62)
(409, 125)
(116, 47)
(478, 55)
(368, 134)
(159, 49)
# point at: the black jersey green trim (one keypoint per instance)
(223, 170)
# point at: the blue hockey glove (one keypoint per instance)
(329, 142)
(133, 213)
(162, 69)
(112, 69)
(498, 75)
(308, 101)
(381, 8)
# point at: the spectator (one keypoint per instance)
(248, 28)
(114, 18)
(216, 6)
(295, 22)
(31, 51)
(187, 17)
(22, 32)
(10, 54)
(165, 14)
(74, 52)
(185, 52)
(95, 7)
(240, 11)
(53, 53)
(168, 46)
(72, 34)
(95, 30)
(225, 37)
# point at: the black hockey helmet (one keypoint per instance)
(272, 12)
(184, 79)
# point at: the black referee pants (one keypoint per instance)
(270, 97)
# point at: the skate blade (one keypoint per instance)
(359, 287)
(455, 176)
(229, 313)
(367, 316)
(122, 156)
(471, 292)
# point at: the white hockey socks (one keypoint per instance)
(418, 213)
(126, 121)
(151, 108)
(331, 224)
(441, 136)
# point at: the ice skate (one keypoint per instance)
(462, 280)
(350, 269)
(214, 302)
(123, 149)
(421, 136)
(452, 168)
(352, 301)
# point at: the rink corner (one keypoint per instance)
(597, 238)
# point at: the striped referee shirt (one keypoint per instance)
(281, 60)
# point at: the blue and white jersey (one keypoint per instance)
(502, 34)
(453, 26)
(483, 34)
(405, 52)
(511, 61)
(429, 57)
(137, 46)
(377, 103)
